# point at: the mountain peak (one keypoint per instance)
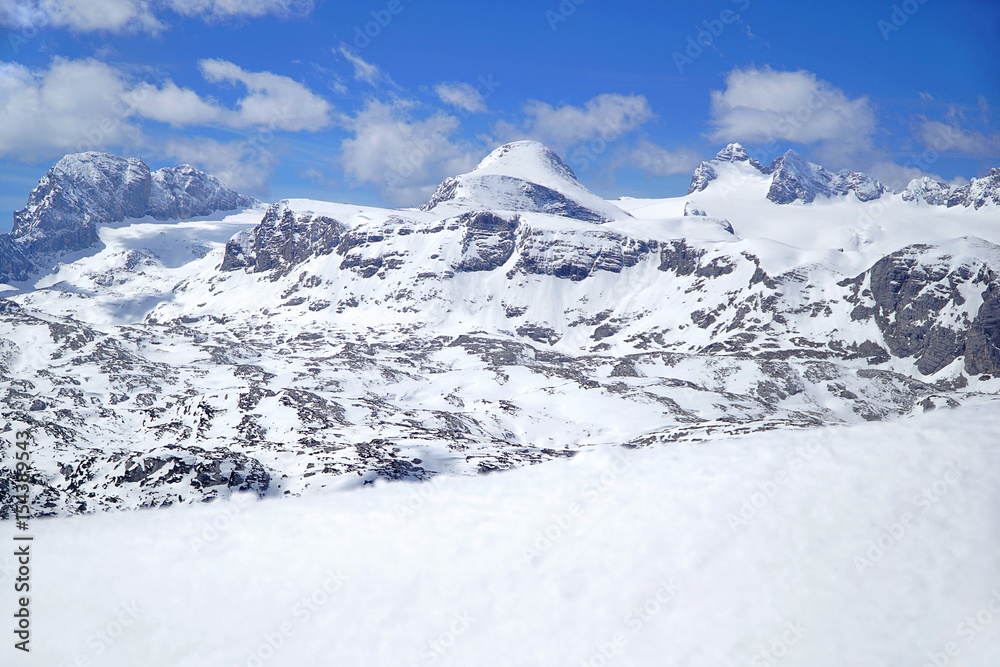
(531, 160)
(733, 153)
(85, 190)
(524, 176)
(795, 178)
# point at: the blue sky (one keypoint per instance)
(376, 102)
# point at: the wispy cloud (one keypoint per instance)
(364, 70)
(654, 160)
(461, 96)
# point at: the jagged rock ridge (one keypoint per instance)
(792, 177)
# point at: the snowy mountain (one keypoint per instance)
(317, 345)
(792, 177)
(978, 192)
(85, 190)
(522, 176)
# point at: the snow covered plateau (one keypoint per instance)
(764, 413)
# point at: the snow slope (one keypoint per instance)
(871, 546)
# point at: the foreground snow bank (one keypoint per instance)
(866, 545)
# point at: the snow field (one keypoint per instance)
(871, 545)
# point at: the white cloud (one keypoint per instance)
(75, 105)
(896, 176)
(608, 117)
(363, 70)
(763, 105)
(102, 15)
(242, 167)
(951, 138)
(174, 105)
(461, 96)
(79, 105)
(114, 16)
(404, 158)
(274, 101)
(655, 160)
(118, 16)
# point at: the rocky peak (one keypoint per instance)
(85, 190)
(183, 192)
(706, 172)
(702, 176)
(78, 192)
(927, 190)
(732, 153)
(979, 192)
(796, 179)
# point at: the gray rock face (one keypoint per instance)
(577, 255)
(703, 175)
(199, 469)
(982, 345)
(76, 195)
(283, 239)
(84, 190)
(907, 312)
(447, 191)
(487, 242)
(13, 264)
(920, 309)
